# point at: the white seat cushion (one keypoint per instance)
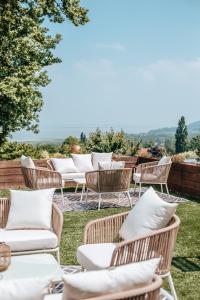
(30, 209)
(164, 160)
(85, 285)
(95, 256)
(100, 157)
(25, 240)
(111, 165)
(64, 165)
(53, 297)
(72, 176)
(150, 213)
(24, 289)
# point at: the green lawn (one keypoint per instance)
(186, 262)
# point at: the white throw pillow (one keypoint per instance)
(96, 283)
(149, 213)
(100, 157)
(117, 165)
(24, 289)
(30, 209)
(113, 165)
(104, 165)
(83, 162)
(64, 165)
(164, 160)
(27, 162)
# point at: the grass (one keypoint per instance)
(186, 261)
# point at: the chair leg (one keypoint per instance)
(119, 198)
(171, 285)
(99, 204)
(167, 188)
(140, 189)
(161, 188)
(129, 198)
(62, 195)
(86, 196)
(83, 190)
(76, 188)
(58, 255)
(135, 185)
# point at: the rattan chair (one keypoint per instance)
(57, 224)
(114, 181)
(159, 243)
(152, 173)
(41, 178)
(147, 292)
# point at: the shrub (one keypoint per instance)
(181, 157)
(14, 150)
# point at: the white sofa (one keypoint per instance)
(76, 167)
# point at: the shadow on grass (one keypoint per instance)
(185, 264)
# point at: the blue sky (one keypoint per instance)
(135, 65)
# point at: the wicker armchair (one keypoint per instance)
(57, 224)
(152, 173)
(159, 243)
(41, 178)
(109, 181)
(147, 292)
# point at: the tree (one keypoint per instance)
(195, 144)
(181, 136)
(83, 138)
(26, 49)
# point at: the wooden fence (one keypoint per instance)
(11, 174)
(183, 178)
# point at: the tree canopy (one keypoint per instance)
(26, 49)
(181, 136)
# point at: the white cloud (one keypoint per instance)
(113, 46)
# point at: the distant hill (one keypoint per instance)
(167, 132)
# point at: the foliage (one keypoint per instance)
(13, 150)
(26, 49)
(181, 157)
(156, 151)
(109, 141)
(50, 148)
(195, 144)
(83, 138)
(68, 143)
(169, 145)
(181, 136)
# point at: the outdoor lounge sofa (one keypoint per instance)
(29, 241)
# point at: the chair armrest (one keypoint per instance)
(142, 166)
(47, 179)
(57, 221)
(159, 243)
(92, 180)
(160, 173)
(104, 230)
(4, 210)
